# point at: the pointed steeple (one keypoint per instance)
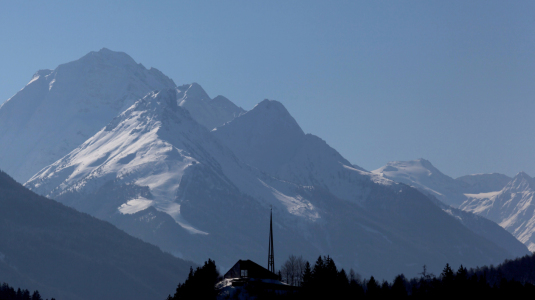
(271, 255)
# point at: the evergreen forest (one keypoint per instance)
(9, 293)
(323, 280)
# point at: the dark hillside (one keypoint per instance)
(66, 254)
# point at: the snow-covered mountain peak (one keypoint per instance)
(98, 64)
(221, 100)
(222, 103)
(267, 104)
(192, 92)
(58, 110)
(421, 174)
(265, 137)
(513, 207)
(271, 117)
(107, 55)
(210, 113)
(521, 182)
(273, 109)
(166, 98)
(427, 164)
(158, 102)
(417, 167)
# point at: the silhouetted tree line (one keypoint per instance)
(513, 278)
(200, 283)
(9, 293)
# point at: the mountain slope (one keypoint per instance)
(69, 255)
(268, 138)
(59, 109)
(513, 207)
(486, 228)
(447, 191)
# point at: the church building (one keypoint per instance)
(247, 278)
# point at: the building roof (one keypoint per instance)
(252, 270)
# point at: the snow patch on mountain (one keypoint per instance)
(295, 205)
(135, 205)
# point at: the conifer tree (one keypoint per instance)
(307, 276)
(399, 291)
(26, 295)
(342, 284)
(447, 274)
(317, 272)
(448, 278)
(372, 289)
(36, 296)
(200, 283)
(461, 281)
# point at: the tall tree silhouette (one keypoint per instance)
(200, 283)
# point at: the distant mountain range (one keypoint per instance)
(513, 207)
(66, 254)
(422, 175)
(197, 176)
(504, 200)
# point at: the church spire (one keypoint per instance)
(271, 255)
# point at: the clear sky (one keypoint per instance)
(449, 81)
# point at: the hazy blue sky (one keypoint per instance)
(449, 81)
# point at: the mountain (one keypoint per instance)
(208, 112)
(162, 167)
(157, 172)
(269, 138)
(159, 175)
(66, 254)
(468, 196)
(266, 137)
(512, 207)
(422, 175)
(60, 109)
